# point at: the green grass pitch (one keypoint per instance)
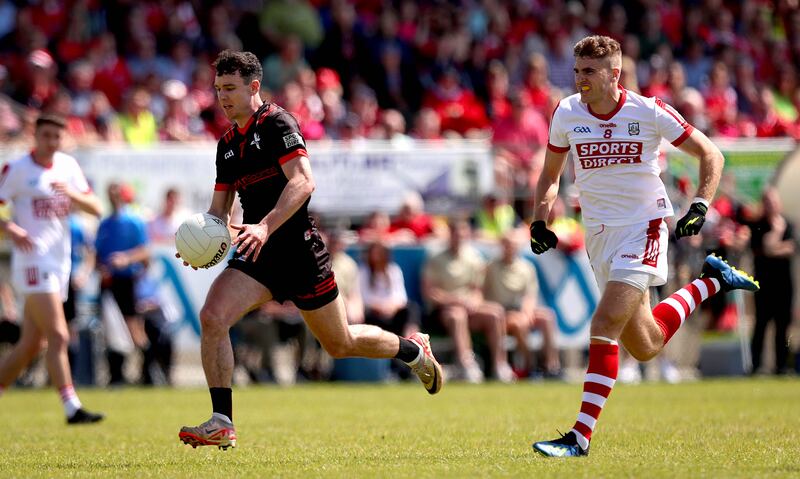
(717, 429)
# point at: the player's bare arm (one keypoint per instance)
(87, 202)
(542, 239)
(18, 235)
(711, 163)
(222, 203)
(549, 182)
(297, 191)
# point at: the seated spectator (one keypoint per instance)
(383, 290)
(452, 283)
(161, 229)
(346, 270)
(511, 281)
(386, 303)
(375, 227)
(412, 218)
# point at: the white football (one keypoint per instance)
(203, 240)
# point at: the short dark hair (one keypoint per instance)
(230, 62)
(50, 119)
(597, 46)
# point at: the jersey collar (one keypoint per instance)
(243, 130)
(622, 95)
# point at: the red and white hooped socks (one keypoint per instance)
(673, 311)
(600, 378)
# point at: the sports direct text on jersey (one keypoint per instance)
(600, 154)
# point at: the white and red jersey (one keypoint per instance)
(40, 211)
(616, 156)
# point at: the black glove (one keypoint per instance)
(691, 223)
(542, 239)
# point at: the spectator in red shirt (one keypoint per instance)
(111, 72)
(537, 86)
(720, 96)
(458, 108)
(412, 217)
(519, 141)
(38, 84)
(768, 122)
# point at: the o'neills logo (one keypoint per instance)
(220, 253)
(605, 153)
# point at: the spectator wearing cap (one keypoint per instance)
(38, 84)
(180, 122)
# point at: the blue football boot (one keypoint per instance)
(729, 277)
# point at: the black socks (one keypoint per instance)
(409, 350)
(221, 401)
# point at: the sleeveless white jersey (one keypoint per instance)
(616, 156)
(41, 212)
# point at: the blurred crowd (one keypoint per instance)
(463, 279)
(140, 72)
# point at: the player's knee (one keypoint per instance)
(58, 340)
(337, 348)
(454, 317)
(212, 321)
(643, 353)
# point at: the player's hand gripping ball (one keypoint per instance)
(203, 240)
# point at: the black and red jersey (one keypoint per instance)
(249, 160)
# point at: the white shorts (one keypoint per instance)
(629, 253)
(30, 279)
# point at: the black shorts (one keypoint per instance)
(122, 288)
(69, 304)
(299, 272)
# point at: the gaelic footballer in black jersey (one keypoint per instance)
(294, 264)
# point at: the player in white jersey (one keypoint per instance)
(613, 136)
(42, 187)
